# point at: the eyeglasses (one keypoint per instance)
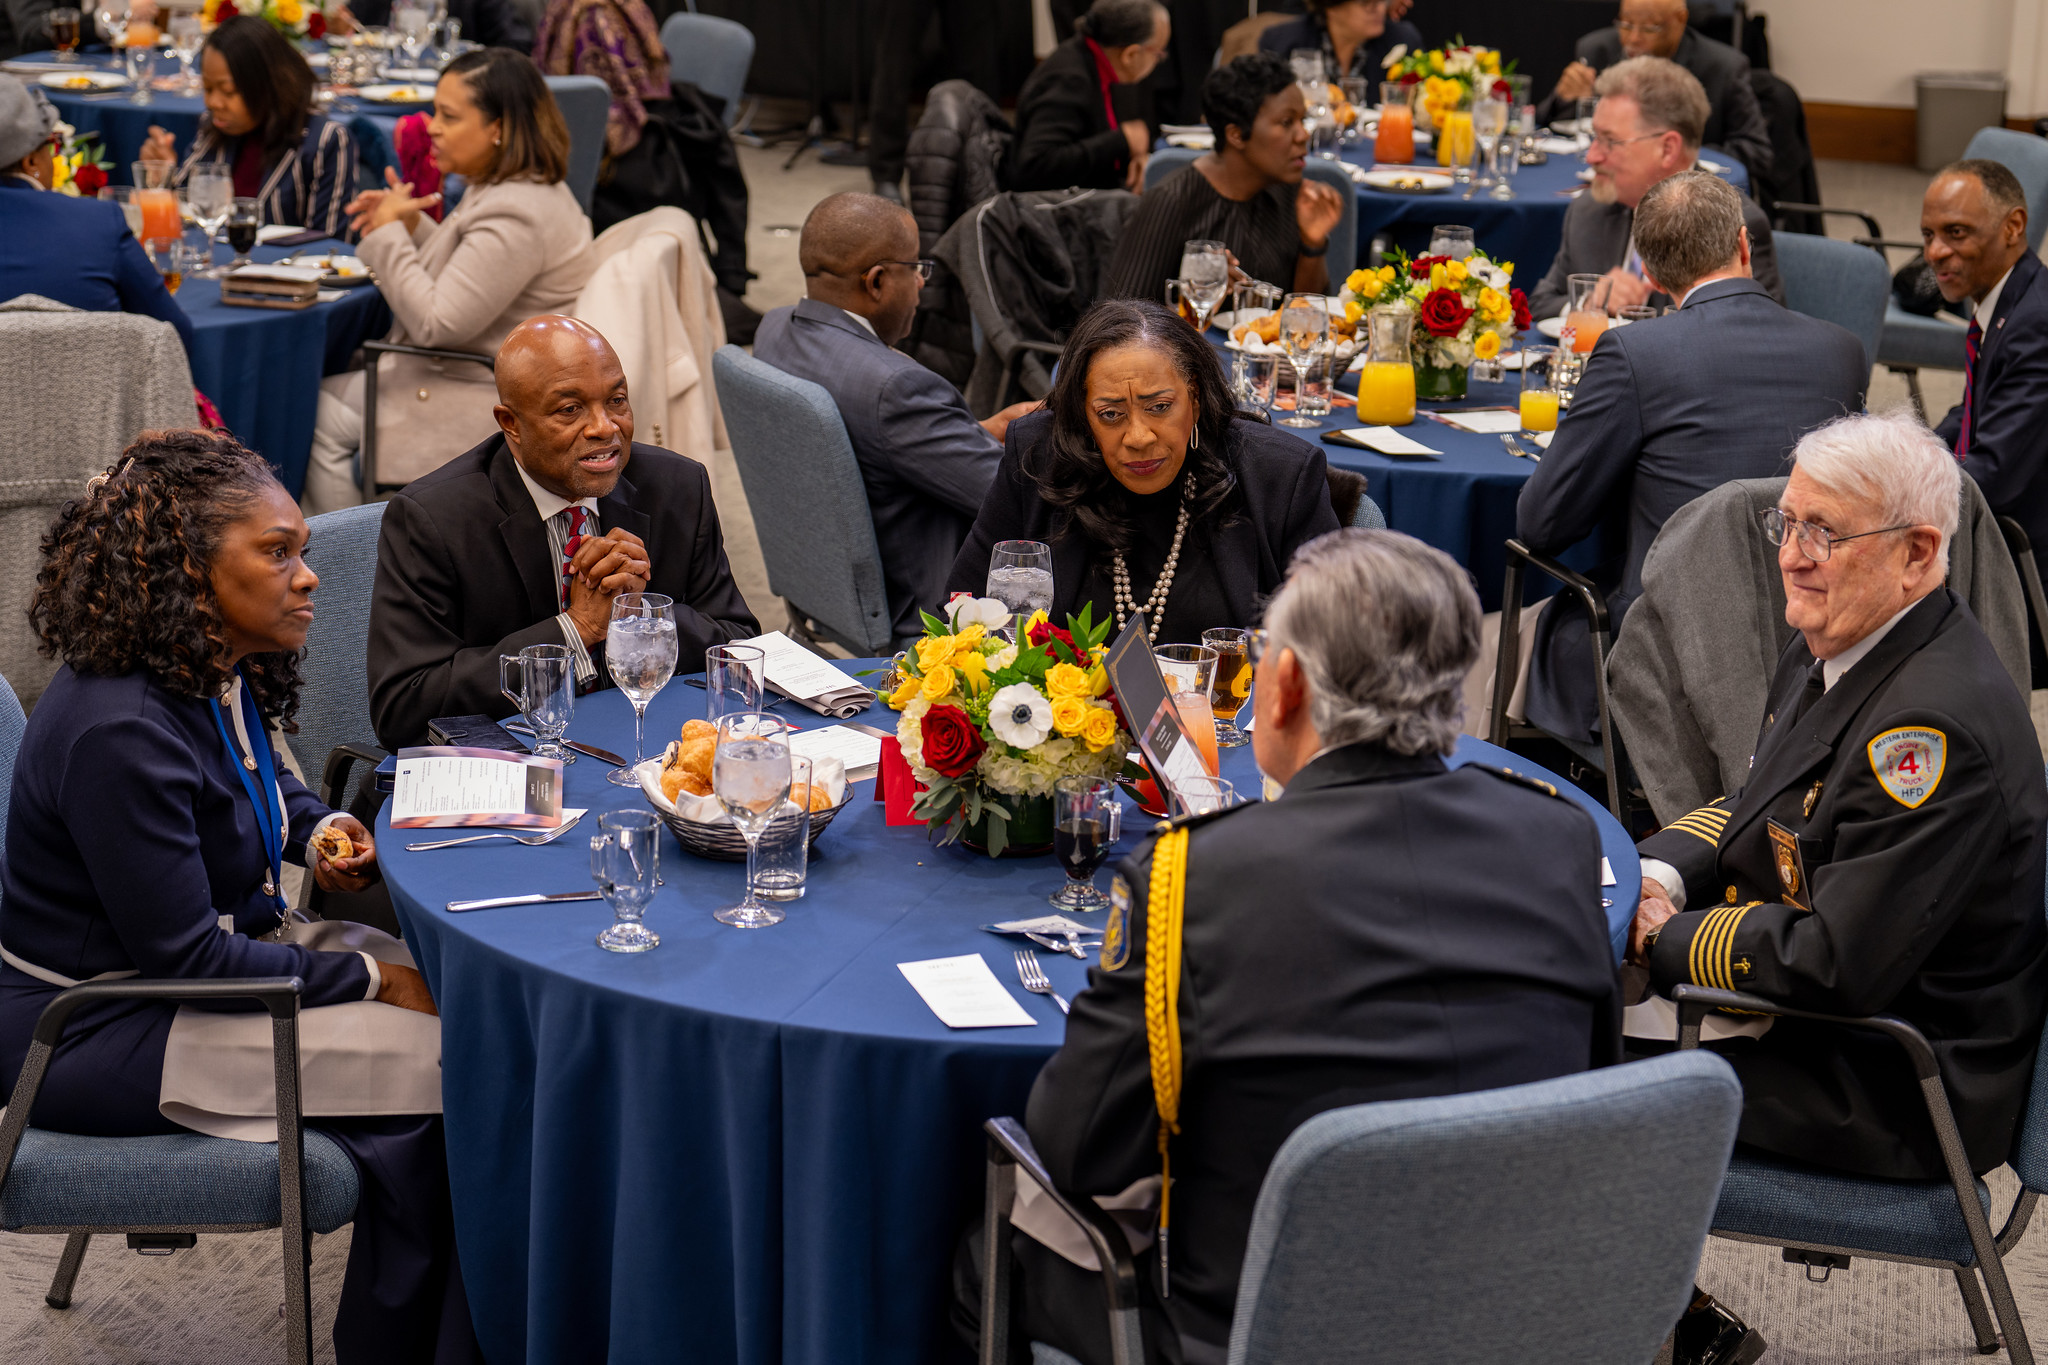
(1815, 542)
(1655, 30)
(1610, 145)
(923, 268)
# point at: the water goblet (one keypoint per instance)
(640, 650)
(750, 775)
(1204, 277)
(540, 680)
(1232, 682)
(113, 21)
(210, 194)
(413, 23)
(245, 221)
(1020, 577)
(1307, 65)
(186, 36)
(732, 680)
(138, 60)
(1489, 121)
(1507, 164)
(64, 23)
(1304, 335)
(1087, 820)
(625, 862)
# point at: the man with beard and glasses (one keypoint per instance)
(527, 538)
(1648, 127)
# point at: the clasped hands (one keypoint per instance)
(373, 209)
(601, 568)
(1652, 910)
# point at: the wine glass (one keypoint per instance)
(1087, 818)
(1204, 277)
(186, 37)
(210, 194)
(640, 651)
(1489, 121)
(1304, 332)
(245, 220)
(413, 23)
(625, 862)
(138, 60)
(732, 680)
(1306, 64)
(1232, 682)
(64, 21)
(540, 680)
(1020, 577)
(750, 775)
(113, 21)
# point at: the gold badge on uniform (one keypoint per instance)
(1812, 798)
(1116, 937)
(1791, 868)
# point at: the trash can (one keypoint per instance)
(1953, 106)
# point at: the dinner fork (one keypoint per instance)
(1513, 447)
(530, 840)
(1033, 977)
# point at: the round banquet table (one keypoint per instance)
(744, 1146)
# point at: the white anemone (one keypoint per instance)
(1020, 715)
(986, 612)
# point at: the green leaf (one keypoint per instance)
(998, 829)
(934, 625)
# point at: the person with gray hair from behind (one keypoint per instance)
(1884, 855)
(1646, 128)
(1669, 409)
(1350, 939)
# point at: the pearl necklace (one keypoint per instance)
(1155, 605)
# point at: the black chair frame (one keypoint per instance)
(2021, 547)
(1507, 663)
(1694, 1003)
(371, 351)
(280, 996)
(1009, 1148)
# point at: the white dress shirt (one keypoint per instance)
(550, 506)
(1988, 305)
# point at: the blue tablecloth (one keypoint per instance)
(745, 1146)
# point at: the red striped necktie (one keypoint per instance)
(1970, 340)
(579, 518)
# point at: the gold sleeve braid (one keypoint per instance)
(1711, 961)
(1706, 823)
(1165, 904)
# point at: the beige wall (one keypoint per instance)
(1866, 51)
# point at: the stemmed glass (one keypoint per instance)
(1489, 121)
(640, 651)
(413, 23)
(113, 20)
(1231, 683)
(63, 22)
(245, 220)
(139, 61)
(186, 37)
(750, 775)
(1087, 819)
(1020, 577)
(1205, 277)
(625, 862)
(732, 680)
(541, 681)
(1304, 333)
(210, 194)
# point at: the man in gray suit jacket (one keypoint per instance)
(1667, 410)
(925, 460)
(1647, 128)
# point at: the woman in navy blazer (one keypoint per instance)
(148, 824)
(299, 165)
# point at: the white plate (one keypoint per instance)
(317, 60)
(81, 81)
(416, 75)
(1406, 182)
(335, 269)
(414, 93)
(1550, 327)
(1194, 142)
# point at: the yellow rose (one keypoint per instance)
(1506, 267)
(1065, 680)
(1386, 274)
(972, 666)
(1489, 299)
(1455, 271)
(933, 650)
(1489, 62)
(1069, 714)
(938, 681)
(1099, 730)
(1353, 310)
(288, 12)
(906, 691)
(1098, 678)
(1358, 280)
(1488, 345)
(970, 637)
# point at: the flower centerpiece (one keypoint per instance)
(989, 725)
(292, 18)
(80, 166)
(1449, 76)
(1464, 311)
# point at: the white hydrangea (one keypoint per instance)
(1002, 658)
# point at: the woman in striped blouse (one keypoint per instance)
(300, 165)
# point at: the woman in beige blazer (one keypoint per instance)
(518, 244)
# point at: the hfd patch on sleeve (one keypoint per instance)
(1908, 763)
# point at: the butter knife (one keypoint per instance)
(607, 755)
(497, 902)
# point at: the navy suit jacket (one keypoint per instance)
(926, 462)
(1669, 409)
(2008, 453)
(80, 252)
(1307, 31)
(1735, 117)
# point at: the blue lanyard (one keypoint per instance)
(263, 769)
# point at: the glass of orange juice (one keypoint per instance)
(1586, 318)
(1539, 388)
(1394, 143)
(1190, 672)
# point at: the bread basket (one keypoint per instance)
(720, 840)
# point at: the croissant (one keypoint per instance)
(332, 844)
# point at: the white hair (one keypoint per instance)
(1385, 628)
(1891, 461)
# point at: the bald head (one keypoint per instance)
(563, 407)
(858, 252)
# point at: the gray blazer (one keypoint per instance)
(925, 460)
(1596, 239)
(1735, 117)
(1691, 671)
(1667, 410)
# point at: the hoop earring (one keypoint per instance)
(1195, 441)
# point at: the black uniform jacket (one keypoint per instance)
(1914, 791)
(465, 574)
(1360, 938)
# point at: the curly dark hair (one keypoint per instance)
(127, 584)
(1077, 480)
(1233, 93)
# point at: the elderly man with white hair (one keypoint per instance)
(1353, 939)
(1885, 855)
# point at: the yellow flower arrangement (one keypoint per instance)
(1069, 715)
(906, 691)
(1065, 680)
(934, 649)
(938, 681)
(1099, 731)
(1487, 346)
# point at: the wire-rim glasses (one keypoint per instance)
(1815, 542)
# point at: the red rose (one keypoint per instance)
(1419, 267)
(952, 746)
(1412, 78)
(225, 12)
(1444, 312)
(1520, 302)
(90, 180)
(1503, 89)
(1045, 631)
(316, 25)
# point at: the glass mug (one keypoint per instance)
(540, 680)
(625, 862)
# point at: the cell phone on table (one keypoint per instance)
(473, 732)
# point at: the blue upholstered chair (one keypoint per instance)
(1343, 257)
(810, 506)
(1372, 1237)
(1823, 1217)
(1368, 516)
(334, 703)
(163, 1191)
(1838, 282)
(586, 103)
(712, 54)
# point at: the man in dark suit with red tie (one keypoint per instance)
(1974, 226)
